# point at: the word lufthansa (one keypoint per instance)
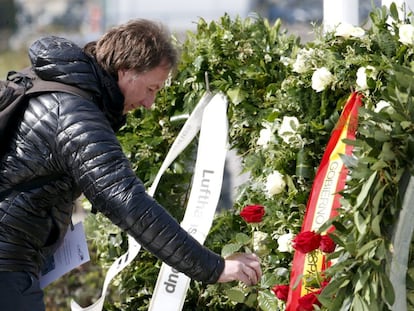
(203, 200)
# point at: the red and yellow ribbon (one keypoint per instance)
(324, 198)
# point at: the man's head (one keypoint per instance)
(139, 45)
(139, 55)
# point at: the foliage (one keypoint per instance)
(285, 98)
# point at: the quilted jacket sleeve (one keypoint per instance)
(93, 156)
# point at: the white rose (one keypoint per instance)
(361, 80)
(288, 128)
(285, 60)
(348, 30)
(300, 64)
(275, 183)
(406, 32)
(321, 78)
(362, 74)
(285, 243)
(381, 105)
(266, 135)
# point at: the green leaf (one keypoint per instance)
(267, 301)
(387, 154)
(387, 292)
(394, 11)
(381, 250)
(376, 224)
(376, 201)
(242, 238)
(379, 165)
(363, 277)
(365, 190)
(359, 304)
(268, 280)
(236, 95)
(368, 247)
(235, 294)
(251, 300)
(381, 136)
(406, 124)
(230, 249)
(338, 289)
(360, 223)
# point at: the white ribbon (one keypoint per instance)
(186, 135)
(118, 265)
(171, 287)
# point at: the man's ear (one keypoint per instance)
(121, 73)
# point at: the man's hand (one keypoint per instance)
(241, 267)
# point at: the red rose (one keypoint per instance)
(281, 291)
(327, 244)
(305, 303)
(306, 241)
(252, 213)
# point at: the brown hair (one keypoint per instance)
(140, 45)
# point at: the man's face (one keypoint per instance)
(140, 89)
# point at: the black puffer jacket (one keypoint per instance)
(65, 145)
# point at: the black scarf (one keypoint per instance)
(111, 100)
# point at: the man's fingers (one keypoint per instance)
(252, 269)
(252, 275)
(242, 267)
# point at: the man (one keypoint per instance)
(65, 145)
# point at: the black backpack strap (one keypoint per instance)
(42, 86)
(32, 85)
(29, 185)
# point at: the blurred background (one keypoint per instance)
(22, 21)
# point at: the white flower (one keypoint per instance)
(285, 243)
(362, 74)
(299, 65)
(228, 36)
(406, 32)
(275, 183)
(381, 105)
(259, 245)
(302, 59)
(285, 60)
(321, 78)
(348, 30)
(266, 135)
(267, 58)
(288, 128)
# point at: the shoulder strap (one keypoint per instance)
(29, 185)
(6, 115)
(42, 86)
